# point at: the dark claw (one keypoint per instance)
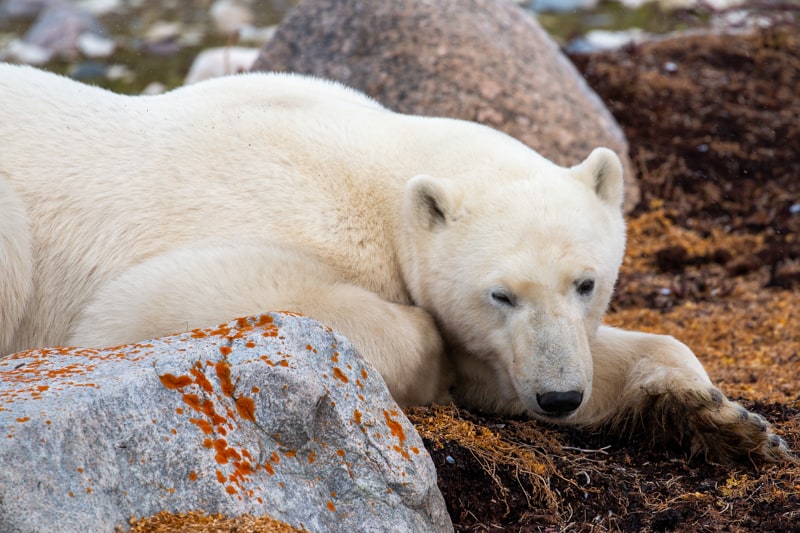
(775, 441)
(717, 397)
(743, 414)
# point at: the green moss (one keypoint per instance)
(613, 16)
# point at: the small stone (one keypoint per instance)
(162, 38)
(101, 7)
(119, 72)
(88, 70)
(229, 16)
(154, 87)
(93, 45)
(222, 61)
(163, 31)
(29, 54)
(259, 36)
(561, 5)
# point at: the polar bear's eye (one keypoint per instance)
(503, 297)
(585, 287)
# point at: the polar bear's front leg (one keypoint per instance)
(16, 266)
(400, 341)
(205, 284)
(654, 384)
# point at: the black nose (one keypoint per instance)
(559, 403)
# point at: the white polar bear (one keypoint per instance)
(454, 257)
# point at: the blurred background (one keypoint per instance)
(136, 46)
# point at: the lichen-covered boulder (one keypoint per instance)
(271, 415)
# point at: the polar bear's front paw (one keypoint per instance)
(707, 423)
(726, 430)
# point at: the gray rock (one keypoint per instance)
(25, 8)
(60, 28)
(482, 60)
(270, 415)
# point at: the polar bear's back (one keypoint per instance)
(108, 181)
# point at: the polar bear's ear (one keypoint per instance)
(430, 201)
(602, 171)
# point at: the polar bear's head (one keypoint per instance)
(518, 268)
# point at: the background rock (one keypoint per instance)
(60, 27)
(481, 60)
(270, 415)
(221, 61)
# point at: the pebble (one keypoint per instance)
(561, 5)
(229, 16)
(93, 45)
(29, 54)
(222, 61)
(88, 70)
(154, 88)
(603, 40)
(162, 38)
(163, 31)
(259, 36)
(101, 7)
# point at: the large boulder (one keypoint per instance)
(482, 60)
(273, 415)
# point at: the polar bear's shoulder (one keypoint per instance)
(272, 88)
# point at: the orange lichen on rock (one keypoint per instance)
(200, 378)
(395, 427)
(246, 408)
(338, 374)
(173, 382)
(224, 374)
(204, 425)
(192, 400)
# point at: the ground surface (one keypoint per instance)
(714, 259)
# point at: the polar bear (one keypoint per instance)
(458, 261)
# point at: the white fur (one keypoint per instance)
(125, 218)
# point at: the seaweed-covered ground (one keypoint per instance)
(714, 259)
